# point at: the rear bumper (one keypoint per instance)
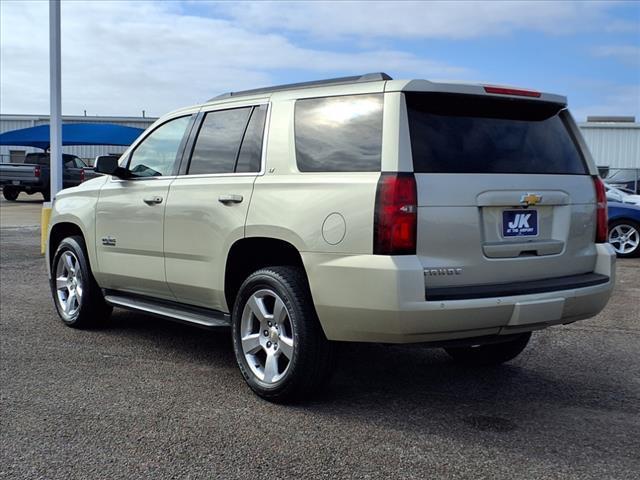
(370, 298)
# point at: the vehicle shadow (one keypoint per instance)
(382, 380)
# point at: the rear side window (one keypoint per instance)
(218, 142)
(251, 150)
(453, 133)
(339, 134)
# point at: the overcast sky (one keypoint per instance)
(121, 57)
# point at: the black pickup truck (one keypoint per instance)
(32, 176)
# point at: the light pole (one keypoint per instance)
(55, 119)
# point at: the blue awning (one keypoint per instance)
(73, 134)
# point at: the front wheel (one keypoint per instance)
(76, 295)
(624, 237)
(10, 193)
(279, 344)
(490, 354)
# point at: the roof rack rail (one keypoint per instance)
(367, 77)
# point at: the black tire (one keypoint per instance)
(490, 354)
(10, 193)
(311, 360)
(625, 224)
(92, 309)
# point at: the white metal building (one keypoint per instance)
(15, 122)
(613, 144)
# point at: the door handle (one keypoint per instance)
(153, 200)
(232, 198)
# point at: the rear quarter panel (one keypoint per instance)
(315, 212)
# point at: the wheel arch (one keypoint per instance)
(58, 232)
(249, 254)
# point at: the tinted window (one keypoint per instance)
(339, 134)
(157, 153)
(471, 134)
(218, 141)
(251, 150)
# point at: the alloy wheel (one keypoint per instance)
(69, 285)
(624, 238)
(266, 336)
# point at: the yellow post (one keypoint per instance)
(44, 225)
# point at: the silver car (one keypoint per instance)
(359, 209)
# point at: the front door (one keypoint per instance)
(130, 214)
(207, 206)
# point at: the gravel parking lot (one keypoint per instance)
(145, 398)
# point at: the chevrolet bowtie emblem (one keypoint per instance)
(530, 199)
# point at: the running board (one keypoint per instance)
(201, 317)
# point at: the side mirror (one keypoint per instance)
(108, 164)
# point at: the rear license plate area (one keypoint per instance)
(519, 223)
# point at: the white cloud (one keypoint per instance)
(612, 100)
(421, 19)
(629, 54)
(122, 57)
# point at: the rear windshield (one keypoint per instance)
(453, 133)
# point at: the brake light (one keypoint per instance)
(36, 171)
(511, 91)
(82, 175)
(396, 215)
(601, 211)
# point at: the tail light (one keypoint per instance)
(82, 174)
(396, 215)
(601, 211)
(36, 171)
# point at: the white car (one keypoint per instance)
(616, 195)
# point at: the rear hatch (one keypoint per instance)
(504, 192)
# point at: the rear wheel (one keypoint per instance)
(76, 295)
(279, 345)
(624, 237)
(10, 193)
(490, 354)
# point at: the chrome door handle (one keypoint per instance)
(230, 198)
(153, 200)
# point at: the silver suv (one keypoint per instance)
(360, 209)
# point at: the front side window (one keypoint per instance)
(218, 142)
(158, 152)
(339, 134)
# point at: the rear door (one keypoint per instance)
(130, 214)
(207, 204)
(504, 193)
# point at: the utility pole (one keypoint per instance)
(55, 119)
